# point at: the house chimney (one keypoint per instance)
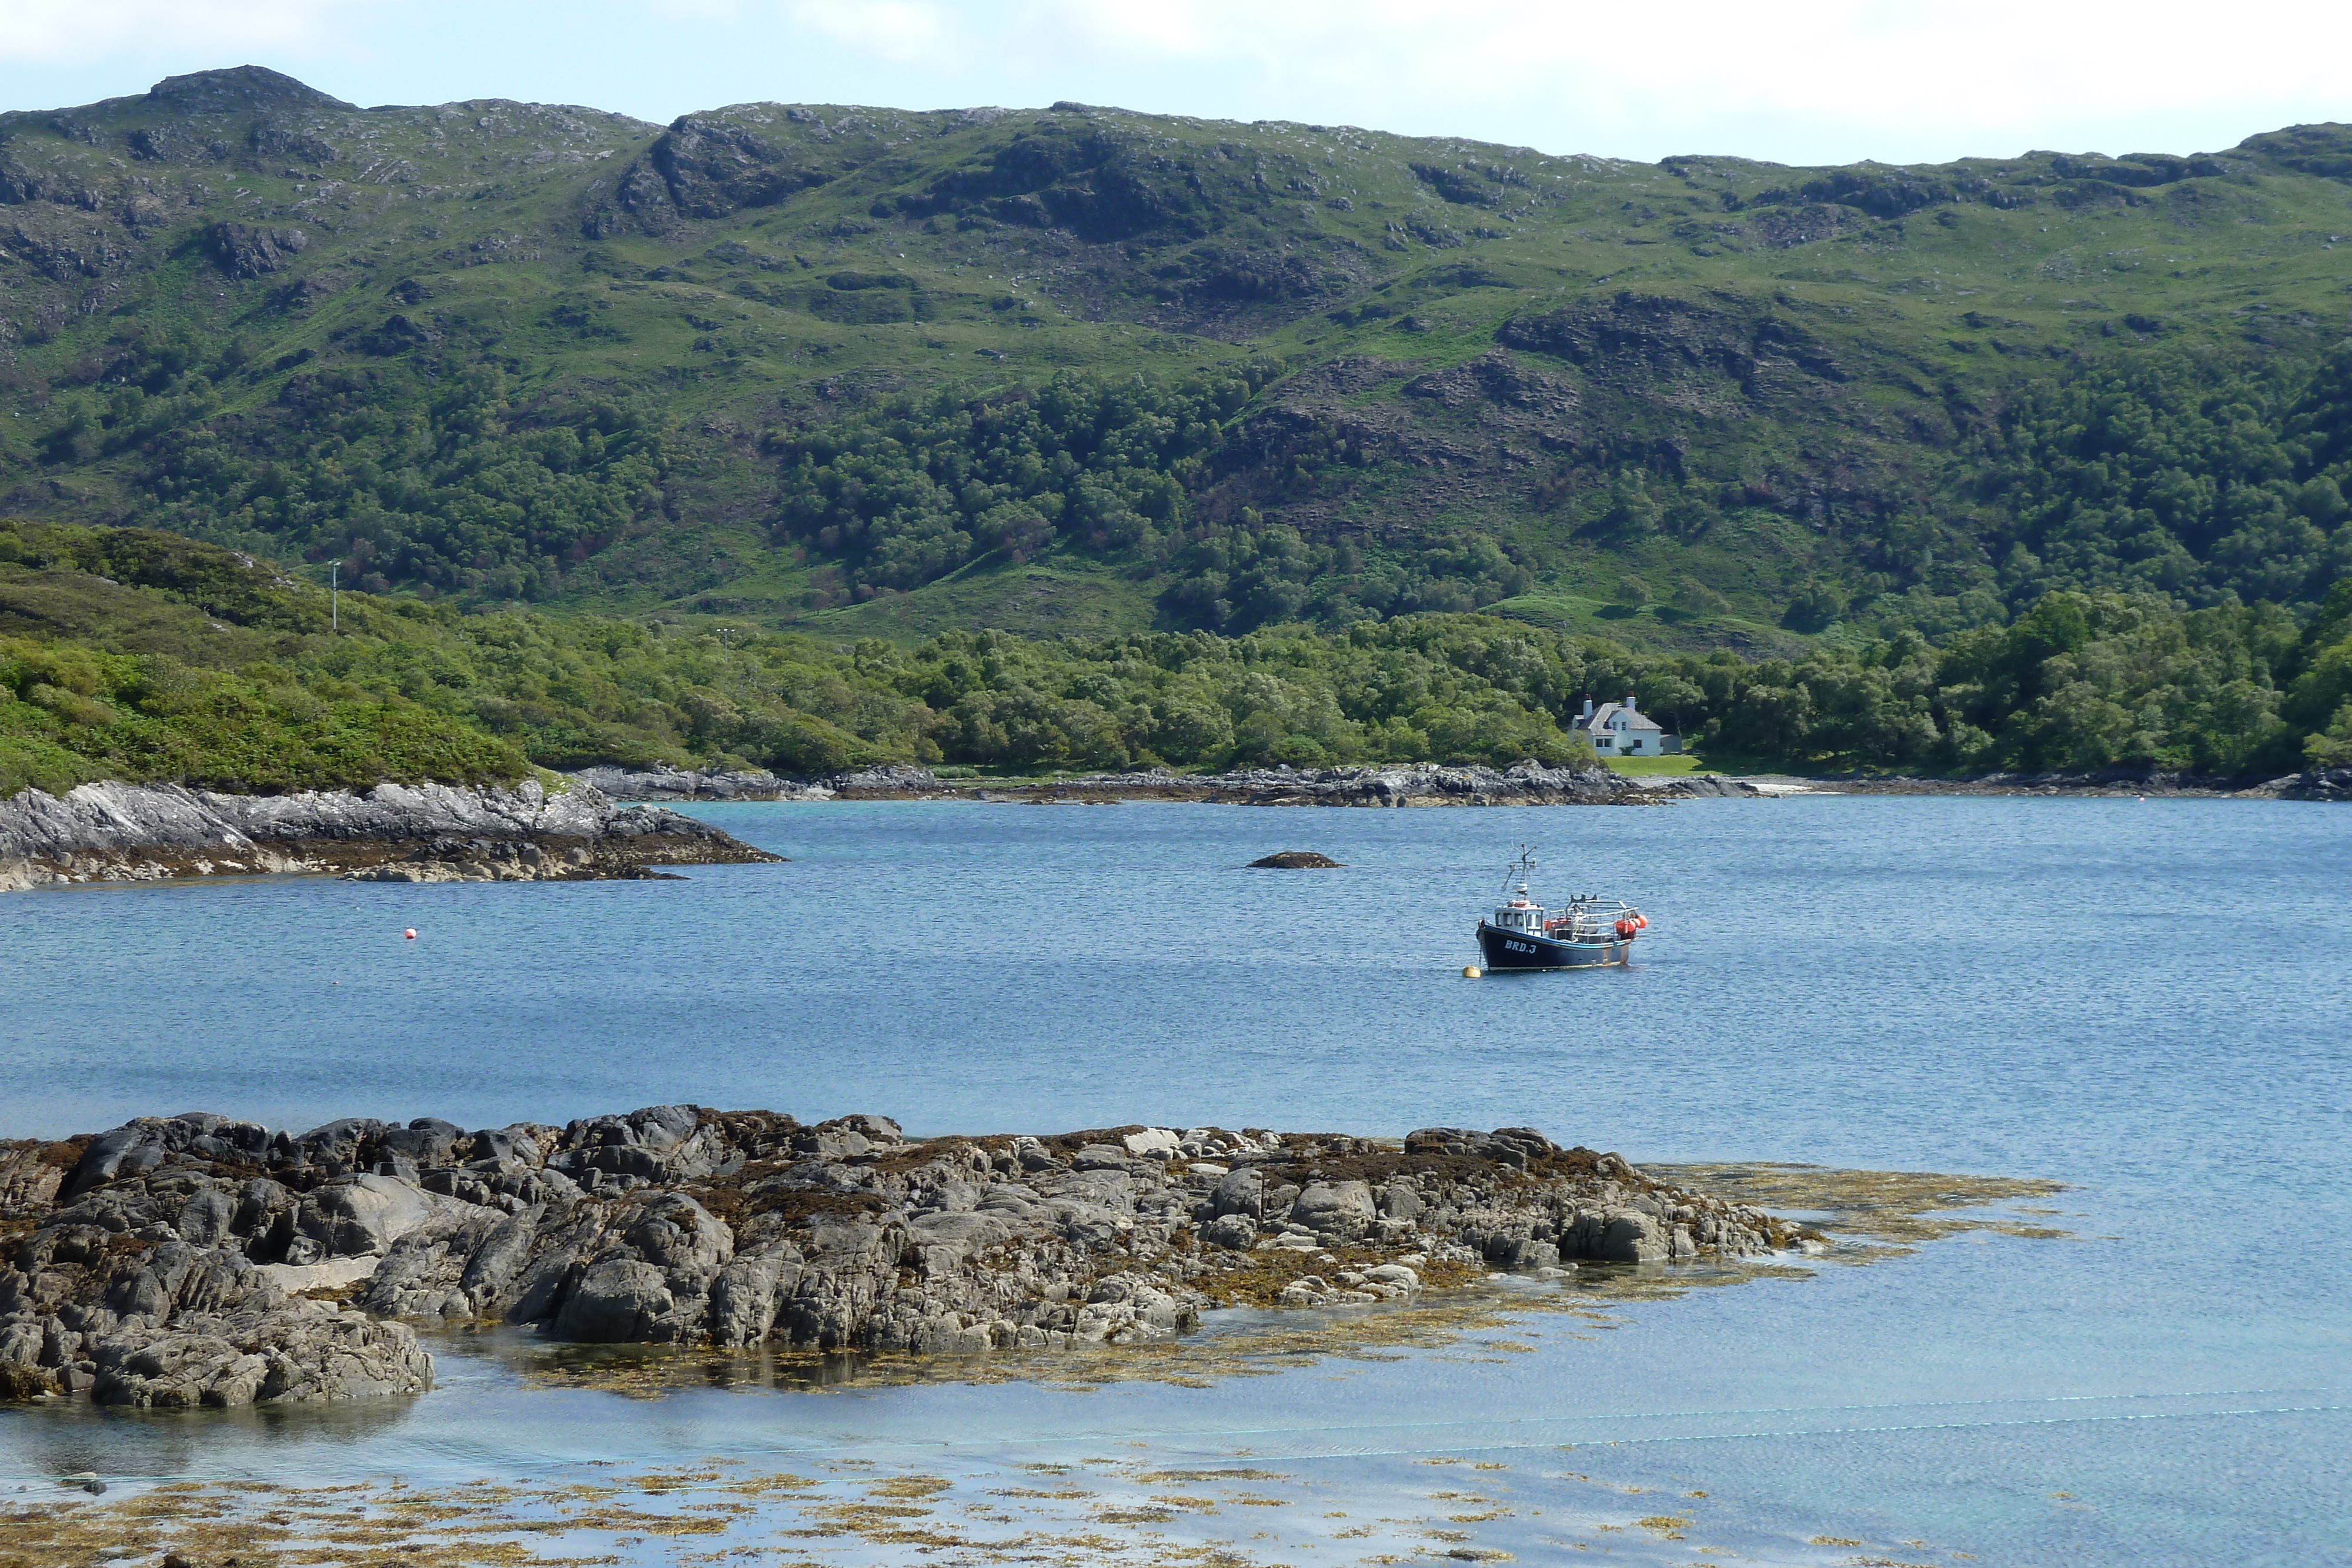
(1628, 704)
(1587, 714)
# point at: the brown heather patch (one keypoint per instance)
(64, 1156)
(800, 1206)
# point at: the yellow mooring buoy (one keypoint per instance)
(1471, 971)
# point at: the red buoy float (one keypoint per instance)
(409, 935)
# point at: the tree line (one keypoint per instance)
(129, 654)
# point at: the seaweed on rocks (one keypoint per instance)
(198, 1260)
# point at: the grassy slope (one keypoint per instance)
(1379, 270)
(1657, 767)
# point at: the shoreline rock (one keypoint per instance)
(2320, 784)
(1420, 784)
(112, 832)
(1296, 860)
(2111, 783)
(183, 1261)
(1428, 784)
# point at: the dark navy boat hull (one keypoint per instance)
(1517, 950)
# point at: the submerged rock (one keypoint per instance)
(198, 1260)
(1296, 860)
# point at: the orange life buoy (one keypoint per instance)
(1640, 923)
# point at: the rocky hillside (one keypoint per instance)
(1088, 369)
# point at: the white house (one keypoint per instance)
(1618, 729)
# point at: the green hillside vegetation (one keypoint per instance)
(135, 655)
(872, 373)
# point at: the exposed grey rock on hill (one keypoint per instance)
(114, 832)
(166, 1262)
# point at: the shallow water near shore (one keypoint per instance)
(2146, 1002)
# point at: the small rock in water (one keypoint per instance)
(1296, 860)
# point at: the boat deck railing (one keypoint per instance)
(1594, 919)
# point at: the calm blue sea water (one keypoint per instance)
(2150, 1001)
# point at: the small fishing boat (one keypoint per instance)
(1590, 933)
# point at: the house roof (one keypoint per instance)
(1608, 711)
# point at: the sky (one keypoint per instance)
(1804, 81)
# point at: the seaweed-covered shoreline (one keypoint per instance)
(199, 1261)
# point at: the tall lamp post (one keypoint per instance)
(335, 596)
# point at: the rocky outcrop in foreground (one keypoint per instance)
(194, 1260)
(1417, 784)
(393, 832)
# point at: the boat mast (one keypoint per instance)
(1522, 868)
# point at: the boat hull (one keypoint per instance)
(1517, 950)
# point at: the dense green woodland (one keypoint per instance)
(129, 653)
(2193, 480)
